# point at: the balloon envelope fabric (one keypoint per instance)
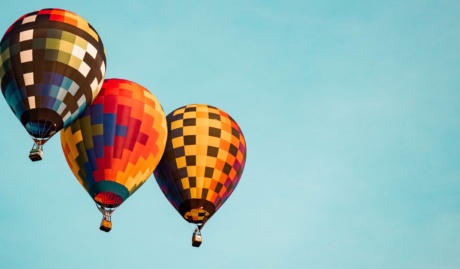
(203, 161)
(52, 66)
(115, 145)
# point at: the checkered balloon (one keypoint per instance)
(52, 65)
(203, 161)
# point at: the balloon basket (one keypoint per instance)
(36, 154)
(106, 225)
(196, 238)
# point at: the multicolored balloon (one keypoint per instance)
(115, 145)
(52, 67)
(203, 161)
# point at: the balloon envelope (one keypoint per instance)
(203, 161)
(115, 145)
(52, 67)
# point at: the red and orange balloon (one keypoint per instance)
(115, 145)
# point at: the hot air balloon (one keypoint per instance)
(115, 145)
(203, 161)
(52, 66)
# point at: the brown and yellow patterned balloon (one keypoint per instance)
(203, 161)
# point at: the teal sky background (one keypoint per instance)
(350, 110)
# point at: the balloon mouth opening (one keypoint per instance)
(108, 199)
(197, 211)
(197, 215)
(41, 129)
(41, 123)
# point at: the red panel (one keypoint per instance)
(110, 104)
(108, 199)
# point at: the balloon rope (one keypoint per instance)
(49, 128)
(36, 139)
(106, 211)
(189, 227)
(41, 134)
(39, 130)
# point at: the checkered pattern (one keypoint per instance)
(203, 160)
(115, 145)
(52, 66)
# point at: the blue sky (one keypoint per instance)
(349, 109)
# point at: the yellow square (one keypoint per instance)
(226, 135)
(180, 162)
(202, 130)
(63, 57)
(177, 142)
(222, 155)
(179, 111)
(149, 110)
(81, 42)
(210, 194)
(217, 174)
(66, 46)
(199, 192)
(73, 16)
(77, 137)
(199, 183)
(189, 115)
(202, 121)
(52, 43)
(190, 150)
(212, 141)
(189, 130)
(213, 110)
(191, 171)
(202, 160)
(206, 182)
(177, 124)
(75, 62)
(210, 161)
(68, 36)
(201, 140)
(215, 123)
(193, 193)
(226, 126)
(200, 169)
(225, 120)
(201, 149)
(185, 183)
(202, 108)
